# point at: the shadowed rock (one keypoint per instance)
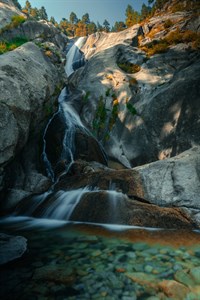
(12, 247)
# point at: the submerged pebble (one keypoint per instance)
(82, 266)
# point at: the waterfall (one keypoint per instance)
(53, 205)
(72, 119)
(59, 205)
(73, 55)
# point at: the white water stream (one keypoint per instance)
(72, 119)
(59, 206)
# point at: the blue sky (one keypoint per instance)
(99, 10)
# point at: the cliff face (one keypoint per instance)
(142, 96)
(31, 78)
(163, 87)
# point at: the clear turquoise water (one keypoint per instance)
(91, 262)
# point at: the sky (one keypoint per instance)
(99, 10)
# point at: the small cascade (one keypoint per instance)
(74, 55)
(72, 119)
(48, 166)
(81, 204)
(116, 200)
(53, 205)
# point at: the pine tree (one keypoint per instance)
(17, 4)
(119, 26)
(27, 8)
(92, 28)
(145, 11)
(86, 19)
(73, 18)
(99, 27)
(106, 25)
(132, 16)
(81, 29)
(52, 20)
(42, 13)
(34, 13)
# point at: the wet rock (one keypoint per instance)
(87, 148)
(54, 273)
(174, 289)
(11, 247)
(24, 120)
(96, 207)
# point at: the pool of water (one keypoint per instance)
(84, 261)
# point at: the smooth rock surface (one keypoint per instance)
(165, 92)
(7, 10)
(174, 182)
(11, 247)
(31, 85)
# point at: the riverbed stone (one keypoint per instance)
(195, 274)
(174, 289)
(184, 277)
(11, 247)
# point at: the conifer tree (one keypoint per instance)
(86, 19)
(132, 16)
(99, 27)
(27, 8)
(92, 28)
(17, 4)
(73, 18)
(145, 11)
(106, 25)
(119, 26)
(42, 13)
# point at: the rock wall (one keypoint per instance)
(31, 79)
(165, 90)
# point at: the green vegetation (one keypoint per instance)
(9, 46)
(108, 92)
(131, 108)
(73, 26)
(155, 47)
(99, 121)
(172, 38)
(86, 97)
(105, 118)
(129, 67)
(114, 113)
(15, 22)
(185, 6)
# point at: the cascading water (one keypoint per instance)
(60, 204)
(74, 55)
(72, 119)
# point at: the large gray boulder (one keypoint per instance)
(39, 31)
(30, 83)
(174, 182)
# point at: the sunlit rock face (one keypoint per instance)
(7, 10)
(164, 90)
